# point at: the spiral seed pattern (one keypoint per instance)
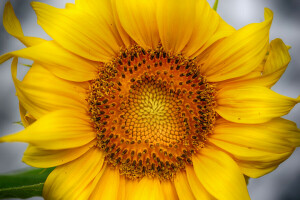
(151, 111)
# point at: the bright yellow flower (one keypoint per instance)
(150, 100)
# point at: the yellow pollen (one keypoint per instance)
(151, 111)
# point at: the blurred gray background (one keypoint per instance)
(282, 184)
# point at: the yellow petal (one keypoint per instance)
(26, 117)
(122, 188)
(206, 24)
(220, 175)
(108, 185)
(91, 187)
(147, 188)
(252, 162)
(252, 104)
(278, 57)
(223, 30)
(130, 188)
(5, 57)
(270, 71)
(239, 53)
(70, 6)
(257, 170)
(70, 180)
(57, 60)
(10, 21)
(169, 190)
(176, 20)
(199, 191)
(138, 19)
(276, 136)
(41, 158)
(60, 129)
(78, 31)
(41, 92)
(259, 148)
(276, 63)
(103, 11)
(13, 27)
(183, 187)
(127, 40)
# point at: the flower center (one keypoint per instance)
(152, 111)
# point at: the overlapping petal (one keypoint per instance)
(108, 185)
(219, 174)
(66, 65)
(255, 164)
(71, 128)
(63, 181)
(26, 118)
(138, 18)
(199, 191)
(258, 148)
(103, 12)
(238, 54)
(127, 40)
(93, 40)
(270, 70)
(183, 188)
(175, 24)
(223, 30)
(148, 188)
(41, 92)
(169, 190)
(130, 187)
(13, 27)
(122, 188)
(276, 136)
(208, 28)
(252, 104)
(41, 158)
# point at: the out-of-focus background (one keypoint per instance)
(282, 184)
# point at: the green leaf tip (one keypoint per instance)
(27, 65)
(25, 184)
(216, 5)
(19, 123)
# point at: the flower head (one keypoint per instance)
(150, 99)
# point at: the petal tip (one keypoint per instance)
(6, 138)
(268, 13)
(37, 5)
(7, 7)
(34, 3)
(10, 21)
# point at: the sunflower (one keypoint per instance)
(150, 100)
